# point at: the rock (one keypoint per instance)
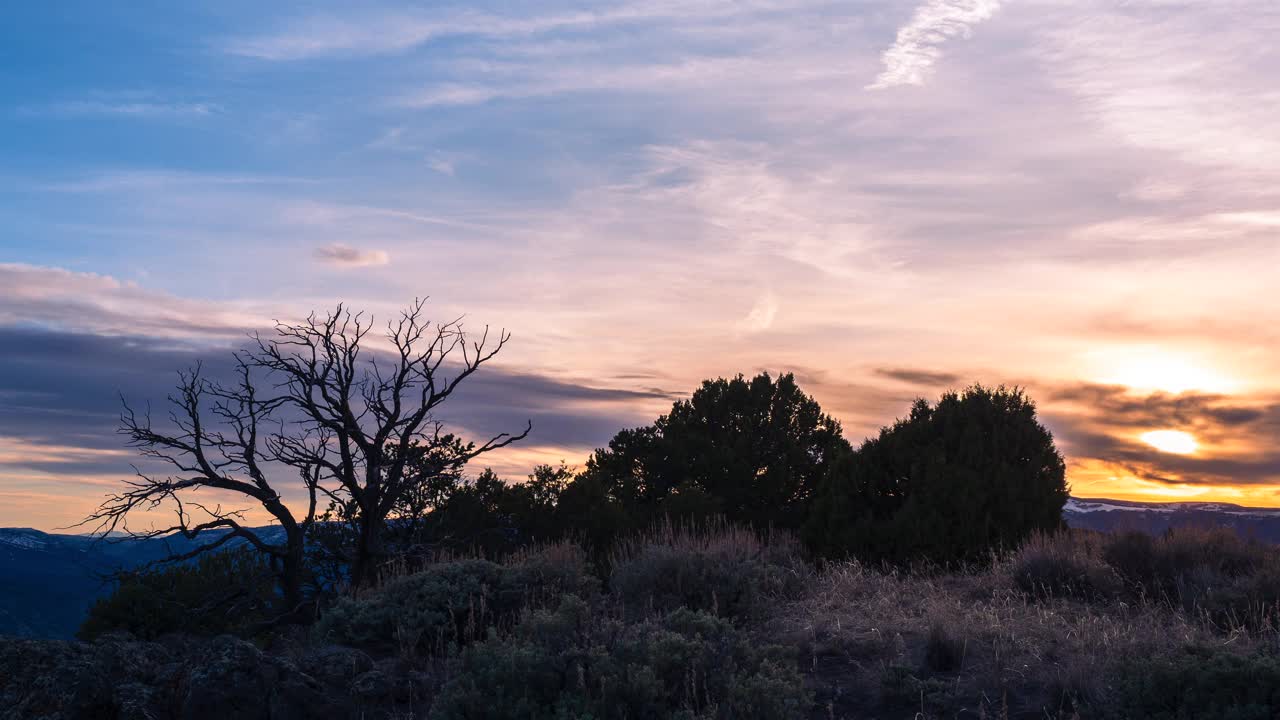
(62, 680)
(236, 680)
(118, 679)
(334, 665)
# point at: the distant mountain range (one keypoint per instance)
(1155, 518)
(48, 581)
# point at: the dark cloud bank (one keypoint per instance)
(65, 389)
(1098, 421)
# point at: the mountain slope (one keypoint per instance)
(48, 581)
(1156, 518)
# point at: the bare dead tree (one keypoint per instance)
(363, 418)
(343, 421)
(218, 438)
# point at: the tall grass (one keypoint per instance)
(720, 568)
(1210, 574)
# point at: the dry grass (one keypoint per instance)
(715, 537)
(725, 570)
(1053, 630)
(885, 643)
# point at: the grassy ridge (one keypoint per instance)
(721, 623)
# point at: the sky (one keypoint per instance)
(889, 199)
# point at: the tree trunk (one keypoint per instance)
(292, 567)
(370, 553)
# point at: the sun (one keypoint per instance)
(1171, 441)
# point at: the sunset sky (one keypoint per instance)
(888, 199)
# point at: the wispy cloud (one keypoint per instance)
(122, 108)
(910, 60)
(319, 36)
(347, 256)
(441, 165)
(762, 314)
(142, 180)
(1192, 79)
(926, 378)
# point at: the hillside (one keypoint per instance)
(721, 625)
(51, 579)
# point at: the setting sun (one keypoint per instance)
(1171, 441)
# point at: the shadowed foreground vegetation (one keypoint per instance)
(722, 622)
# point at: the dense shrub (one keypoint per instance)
(230, 592)
(1231, 580)
(573, 663)
(724, 570)
(1158, 562)
(1201, 683)
(451, 603)
(750, 450)
(1065, 564)
(951, 482)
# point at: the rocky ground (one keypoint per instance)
(186, 679)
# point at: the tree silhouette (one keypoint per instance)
(751, 450)
(312, 403)
(950, 482)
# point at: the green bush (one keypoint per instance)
(952, 482)
(573, 663)
(1202, 683)
(227, 592)
(723, 570)
(452, 603)
(752, 450)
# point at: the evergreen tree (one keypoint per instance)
(950, 482)
(751, 450)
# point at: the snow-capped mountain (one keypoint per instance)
(1155, 518)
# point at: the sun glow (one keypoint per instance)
(1150, 369)
(1171, 441)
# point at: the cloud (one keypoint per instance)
(926, 378)
(67, 300)
(762, 314)
(373, 34)
(75, 108)
(441, 165)
(1191, 79)
(347, 256)
(64, 389)
(153, 180)
(60, 402)
(910, 60)
(1101, 425)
